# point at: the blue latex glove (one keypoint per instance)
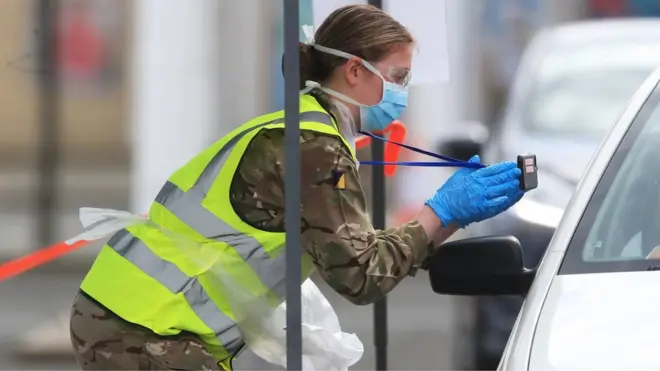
(473, 195)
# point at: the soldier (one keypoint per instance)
(145, 304)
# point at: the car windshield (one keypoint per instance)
(582, 90)
(620, 228)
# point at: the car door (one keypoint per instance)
(637, 127)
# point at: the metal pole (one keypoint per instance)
(378, 220)
(378, 210)
(292, 185)
(47, 157)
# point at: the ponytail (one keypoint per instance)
(308, 64)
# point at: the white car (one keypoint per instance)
(594, 301)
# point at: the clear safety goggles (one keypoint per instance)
(398, 75)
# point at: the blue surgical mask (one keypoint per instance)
(390, 108)
(373, 118)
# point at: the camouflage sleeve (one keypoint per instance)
(358, 262)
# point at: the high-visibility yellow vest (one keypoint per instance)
(163, 275)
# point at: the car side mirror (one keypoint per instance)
(460, 149)
(480, 266)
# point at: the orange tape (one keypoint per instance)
(397, 132)
(23, 264)
(17, 266)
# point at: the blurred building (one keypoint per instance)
(93, 37)
(93, 155)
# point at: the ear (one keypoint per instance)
(353, 70)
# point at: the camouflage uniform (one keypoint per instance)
(103, 341)
(360, 263)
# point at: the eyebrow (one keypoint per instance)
(400, 72)
(404, 69)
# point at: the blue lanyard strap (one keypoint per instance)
(425, 164)
(450, 162)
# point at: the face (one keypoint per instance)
(366, 87)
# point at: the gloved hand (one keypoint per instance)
(473, 195)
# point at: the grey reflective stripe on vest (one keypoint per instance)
(170, 276)
(187, 207)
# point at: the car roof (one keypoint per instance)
(610, 30)
(606, 43)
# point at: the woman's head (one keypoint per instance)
(362, 33)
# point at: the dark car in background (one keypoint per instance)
(571, 85)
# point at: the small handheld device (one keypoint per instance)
(529, 177)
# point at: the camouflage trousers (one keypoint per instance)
(103, 341)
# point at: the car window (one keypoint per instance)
(620, 228)
(580, 90)
(586, 102)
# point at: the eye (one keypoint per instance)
(399, 76)
(400, 79)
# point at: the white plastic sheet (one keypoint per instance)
(262, 324)
(99, 223)
(325, 346)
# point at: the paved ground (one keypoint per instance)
(29, 301)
